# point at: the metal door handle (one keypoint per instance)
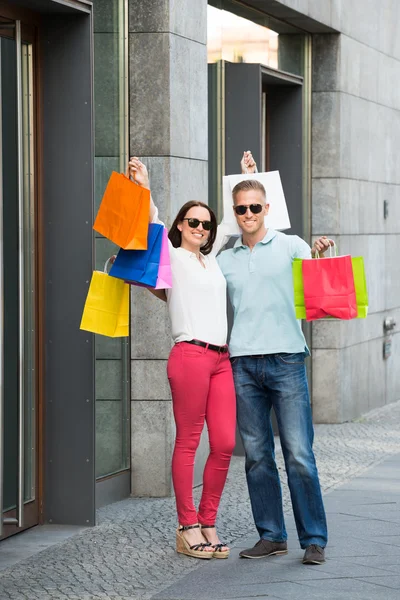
(1, 321)
(21, 277)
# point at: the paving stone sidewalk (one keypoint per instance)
(130, 554)
(363, 555)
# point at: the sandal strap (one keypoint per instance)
(208, 526)
(218, 547)
(200, 546)
(186, 527)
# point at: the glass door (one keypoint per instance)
(18, 497)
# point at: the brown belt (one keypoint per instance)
(220, 349)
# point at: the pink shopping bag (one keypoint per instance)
(164, 279)
(164, 276)
(329, 289)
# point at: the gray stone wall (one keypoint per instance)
(355, 167)
(168, 117)
(111, 418)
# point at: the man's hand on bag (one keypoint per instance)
(248, 164)
(321, 245)
(137, 172)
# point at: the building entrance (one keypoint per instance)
(18, 399)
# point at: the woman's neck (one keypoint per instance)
(194, 249)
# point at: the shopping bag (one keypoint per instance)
(123, 216)
(298, 288)
(359, 283)
(164, 277)
(141, 266)
(277, 218)
(106, 308)
(329, 288)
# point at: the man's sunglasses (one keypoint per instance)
(193, 223)
(242, 209)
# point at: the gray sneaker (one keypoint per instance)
(264, 548)
(314, 555)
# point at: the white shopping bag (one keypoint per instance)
(277, 218)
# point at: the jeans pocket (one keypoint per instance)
(295, 358)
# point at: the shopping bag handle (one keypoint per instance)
(107, 263)
(332, 248)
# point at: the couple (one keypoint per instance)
(265, 365)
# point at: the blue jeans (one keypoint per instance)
(279, 381)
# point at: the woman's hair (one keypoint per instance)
(175, 235)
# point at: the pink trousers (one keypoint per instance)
(202, 389)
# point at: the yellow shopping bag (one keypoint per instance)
(107, 306)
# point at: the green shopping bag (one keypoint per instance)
(360, 284)
(298, 288)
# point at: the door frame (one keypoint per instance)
(65, 252)
(32, 510)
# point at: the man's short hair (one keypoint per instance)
(248, 185)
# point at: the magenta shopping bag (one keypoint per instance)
(164, 278)
(329, 289)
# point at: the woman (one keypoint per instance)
(199, 371)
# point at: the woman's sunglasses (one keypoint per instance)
(193, 223)
(242, 209)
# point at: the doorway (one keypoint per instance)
(18, 299)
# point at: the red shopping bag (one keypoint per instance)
(329, 288)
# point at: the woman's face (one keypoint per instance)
(194, 237)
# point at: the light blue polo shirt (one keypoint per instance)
(260, 288)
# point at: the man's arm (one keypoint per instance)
(248, 164)
(321, 245)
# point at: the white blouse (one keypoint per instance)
(197, 299)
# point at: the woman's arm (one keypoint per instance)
(160, 294)
(138, 173)
(223, 236)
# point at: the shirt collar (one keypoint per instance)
(271, 233)
(190, 254)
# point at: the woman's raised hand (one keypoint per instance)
(137, 172)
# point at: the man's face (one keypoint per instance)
(251, 222)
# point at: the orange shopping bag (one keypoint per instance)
(123, 215)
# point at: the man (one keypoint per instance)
(268, 352)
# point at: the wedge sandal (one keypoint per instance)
(218, 552)
(197, 550)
